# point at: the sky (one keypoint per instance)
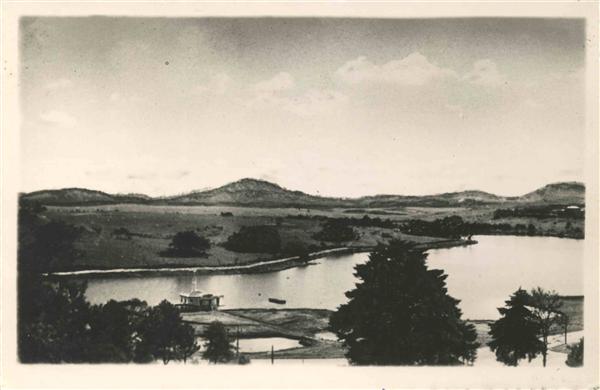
(336, 107)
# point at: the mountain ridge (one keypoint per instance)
(255, 192)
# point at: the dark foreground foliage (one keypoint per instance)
(515, 334)
(525, 325)
(56, 324)
(218, 344)
(401, 314)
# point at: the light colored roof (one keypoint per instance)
(195, 293)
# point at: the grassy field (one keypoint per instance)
(152, 228)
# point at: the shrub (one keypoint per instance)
(187, 244)
(575, 357)
(254, 239)
(336, 231)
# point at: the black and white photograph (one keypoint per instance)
(199, 192)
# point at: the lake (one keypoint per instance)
(482, 276)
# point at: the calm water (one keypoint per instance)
(481, 276)
(264, 344)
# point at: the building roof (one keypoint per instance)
(195, 293)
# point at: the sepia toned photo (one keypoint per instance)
(301, 192)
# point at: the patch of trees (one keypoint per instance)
(187, 244)
(455, 227)
(540, 212)
(254, 239)
(400, 313)
(449, 227)
(525, 324)
(336, 230)
(365, 221)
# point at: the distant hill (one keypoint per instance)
(260, 193)
(254, 192)
(557, 193)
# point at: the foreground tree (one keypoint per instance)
(218, 345)
(515, 334)
(401, 314)
(575, 357)
(165, 336)
(546, 311)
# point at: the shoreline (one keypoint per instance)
(262, 266)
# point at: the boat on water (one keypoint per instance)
(277, 300)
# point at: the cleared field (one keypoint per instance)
(152, 228)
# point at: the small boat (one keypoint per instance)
(278, 301)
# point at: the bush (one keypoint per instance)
(575, 357)
(254, 239)
(296, 248)
(336, 231)
(187, 244)
(122, 234)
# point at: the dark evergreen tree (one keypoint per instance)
(401, 314)
(185, 345)
(515, 334)
(164, 335)
(218, 347)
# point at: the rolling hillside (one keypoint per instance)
(260, 193)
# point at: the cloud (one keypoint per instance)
(413, 70)
(280, 82)
(485, 73)
(315, 102)
(280, 92)
(219, 84)
(116, 97)
(59, 84)
(58, 118)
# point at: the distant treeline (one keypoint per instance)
(541, 212)
(455, 227)
(365, 221)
